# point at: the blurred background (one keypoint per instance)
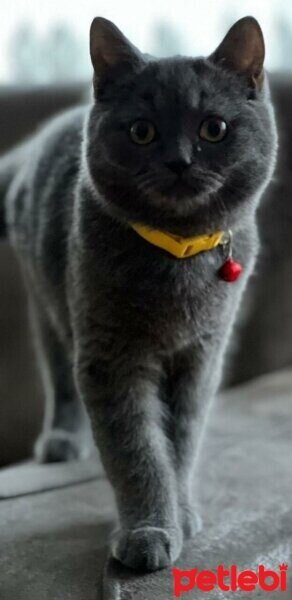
(47, 41)
(45, 68)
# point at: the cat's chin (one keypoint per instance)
(177, 203)
(182, 198)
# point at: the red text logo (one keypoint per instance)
(229, 579)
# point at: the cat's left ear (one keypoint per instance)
(243, 50)
(110, 49)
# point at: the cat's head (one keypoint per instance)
(183, 144)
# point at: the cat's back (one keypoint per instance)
(40, 199)
(39, 202)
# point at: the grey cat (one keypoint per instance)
(180, 145)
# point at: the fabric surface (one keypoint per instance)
(53, 541)
(32, 478)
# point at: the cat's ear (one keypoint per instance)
(109, 48)
(243, 50)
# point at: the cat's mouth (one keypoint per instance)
(184, 195)
(180, 187)
(190, 186)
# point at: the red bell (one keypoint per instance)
(230, 270)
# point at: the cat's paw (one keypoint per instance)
(147, 548)
(57, 446)
(191, 521)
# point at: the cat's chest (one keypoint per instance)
(176, 307)
(160, 303)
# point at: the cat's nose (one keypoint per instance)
(178, 166)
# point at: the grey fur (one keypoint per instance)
(143, 334)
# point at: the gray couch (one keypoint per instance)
(55, 521)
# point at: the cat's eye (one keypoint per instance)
(213, 129)
(142, 132)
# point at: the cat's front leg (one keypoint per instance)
(125, 413)
(191, 385)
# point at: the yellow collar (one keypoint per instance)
(179, 246)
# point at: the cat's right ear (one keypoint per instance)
(111, 50)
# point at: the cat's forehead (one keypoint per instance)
(189, 83)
